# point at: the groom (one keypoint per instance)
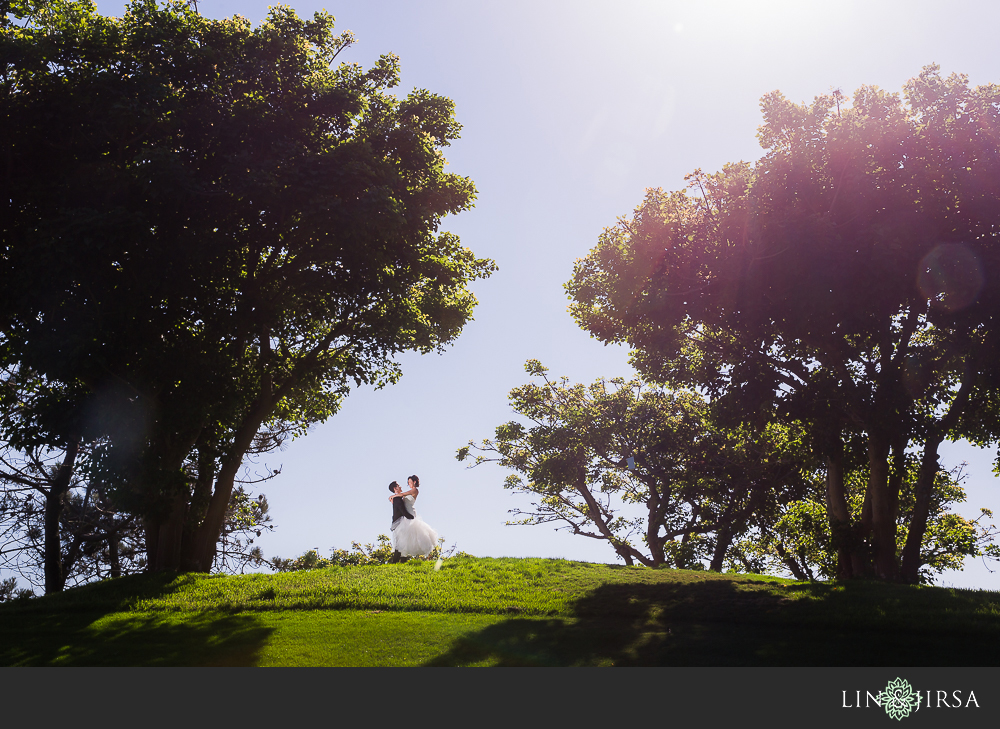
(398, 512)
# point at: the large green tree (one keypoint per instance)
(211, 230)
(642, 468)
(848, 280)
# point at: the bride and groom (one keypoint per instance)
(411, 535)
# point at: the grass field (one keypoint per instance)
(499, 612)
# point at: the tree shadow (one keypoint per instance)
(95, 627)
(726, 622)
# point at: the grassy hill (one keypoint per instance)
(499, 612)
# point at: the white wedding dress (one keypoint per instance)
(413, 537)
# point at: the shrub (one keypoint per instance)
(359, 554)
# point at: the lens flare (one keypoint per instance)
(951, 276)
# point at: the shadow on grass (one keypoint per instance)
(93, 626)
(726, 622)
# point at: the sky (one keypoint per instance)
(571, 110)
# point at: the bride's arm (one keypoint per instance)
(413, 491)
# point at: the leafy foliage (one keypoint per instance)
(9, 591)
(844, 281)
(228, 233)
(95, 539)
(801, 540)
(594, 454)
(358, 555)
(246, 520)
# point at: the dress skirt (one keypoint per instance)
(414, 537)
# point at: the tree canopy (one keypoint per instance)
(642, 468)
(210, 230)
(847, 280)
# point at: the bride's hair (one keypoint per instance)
(416, 481)
(393, 486)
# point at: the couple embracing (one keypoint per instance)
(411, 535)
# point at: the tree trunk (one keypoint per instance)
(55, 576)
(165, 534)
(656, 509)
(168, 539)
(625, 551)
(793, 566)
(199, 552)
(186, 539)
(113, 556)
(883, 525)
(848, 562)
(723, 538)
(929, 467)
(189, 544)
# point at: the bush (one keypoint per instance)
(359, 554)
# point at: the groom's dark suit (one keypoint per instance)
(398, 512)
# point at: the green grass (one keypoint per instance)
(499, 612)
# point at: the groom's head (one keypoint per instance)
(394, 487)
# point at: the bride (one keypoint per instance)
(411, 536)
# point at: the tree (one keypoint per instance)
(801, 542)
(90, 541)
(594, 454)
(38, 481)
(846, 280)
(226, 234)
(10, 591)
(93, 539)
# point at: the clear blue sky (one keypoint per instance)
(570, 110)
